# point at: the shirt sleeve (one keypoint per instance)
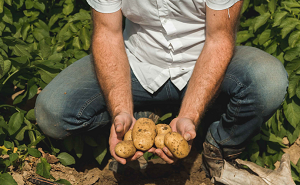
(220, 4)
(105, 6)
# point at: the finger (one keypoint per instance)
(162, 155)
(167, 152)
(137, 155)
(152, 150)
(119, 159)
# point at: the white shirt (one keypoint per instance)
(163, 38)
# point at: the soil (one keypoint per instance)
(186, 171)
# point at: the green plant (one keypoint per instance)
(275, 28)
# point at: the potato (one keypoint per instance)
(143, 134)
(125, 149)
(128, 136)
(177, 145)
(160, 141)
(163, 129)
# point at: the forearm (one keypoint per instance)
(112, 69)
(206, 79)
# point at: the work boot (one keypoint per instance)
(213, 158)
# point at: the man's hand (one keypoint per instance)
(186, 128)
(121, 124)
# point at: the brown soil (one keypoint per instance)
(186, 171)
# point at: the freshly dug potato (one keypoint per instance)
(177, 145)
(125, 149)
(160, 141)
(128, 136)
(163, 129)
(143, 134)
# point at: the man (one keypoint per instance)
(179, 53)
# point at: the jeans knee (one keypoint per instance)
(270, 81)
(47, 117)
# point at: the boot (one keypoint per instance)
(213, 158)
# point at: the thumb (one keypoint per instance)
(189, 134)
(119, 125)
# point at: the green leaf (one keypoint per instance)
(56, 57)
(9, 145)
(46, 76)
(19, 3)
(34, 152)
(7, 179)
(21, 50)
(288, 25)
(290, 4)
(39, 5)
(68, 7)
(261, 20)
(29, 4)
(40, 34)
(45, 49)
(13, 157)
(278, 18)
(15, 122)
(292, 66)
(293, 38)
(20, 135)
(272, 5)
(101, 150)
(76, 43)
(25, 30)
(85, 38)
(1, 5)
(9, 2)
(43, 168)
(264, 36)
(7, 17)
(99, 153)
(66, 159)
(293, 134)
(294, 81)
(245, 6)
(90, 141)
(69, 143)
(30, 115)
(291, 110)
(80, 54)
(78, 146)
(63, 181)
(292, 54)
(243, 36)
(54, 18)
(272, 48)
(4, 67)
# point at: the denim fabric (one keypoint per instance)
(254, 86)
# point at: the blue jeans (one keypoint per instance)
(254, 87)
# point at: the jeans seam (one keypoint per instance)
(230, 136)
(88, 102)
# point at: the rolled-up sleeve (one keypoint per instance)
(220, 4)
(105, 6)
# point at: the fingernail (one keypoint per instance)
(187, 136)
(165, 149)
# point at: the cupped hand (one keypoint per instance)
(186, 128)
(121, 124)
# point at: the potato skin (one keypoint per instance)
(163, 129)
(143, 134)
(160, 141)
(128, 136)
(178, 146)
(125, 149)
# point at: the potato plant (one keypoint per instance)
(39, 38)
(274, 26)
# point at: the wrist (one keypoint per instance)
(194, 117)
